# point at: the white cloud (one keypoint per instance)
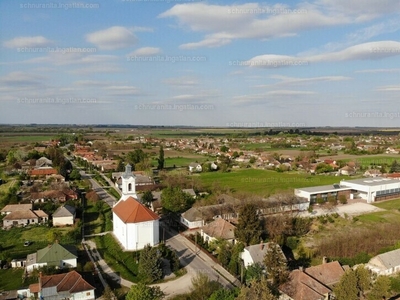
(28, 41)
(146, 51)
(366, 51)
(181, 82)
(224, 23)
(270, 96)
(19, 78)
(388, 88)
(116, 37)
(378, 71)
(284, 80)
(123, 90)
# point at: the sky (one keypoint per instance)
(201, 63)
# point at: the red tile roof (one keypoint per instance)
(327, 273)
(131, 211)
(69, 282)
(42, 172)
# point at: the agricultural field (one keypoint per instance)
(265, 182)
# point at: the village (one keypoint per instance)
(112, 211)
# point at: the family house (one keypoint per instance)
(53, 255)
(195, 167)
(69, 285)
(255, 254)
(387, 263)
(313, 283)
(219, 229)
(64, 215)
(24, 218)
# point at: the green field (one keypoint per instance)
(25, 138)
(265, 182)
(11, 279)
(366, 161)
(389, 205)
(12, 240)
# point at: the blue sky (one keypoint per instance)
(201, 63)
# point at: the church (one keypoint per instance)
(134, 225)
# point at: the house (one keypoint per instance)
(387, 263)
(43, 162)
(255, 254)
(69, 285)
(64, 215)
(42, 172)
(195, 167)
(313, 283)
(347, 170)
(372, 173)
(25, 217)
(134, 225)
(55, 255)
(15, 207)
(219, 229)
(302, 286)
(191, 192)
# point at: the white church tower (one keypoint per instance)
(128, 183)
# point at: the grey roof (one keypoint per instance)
(64, 211)
(191, 192)
(323, 188)
(258, 251)
(371, 181)
(390, 259)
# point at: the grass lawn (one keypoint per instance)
(11, 279)
(12, 241)
(389, 205)
(121, 262)
(6, 186)
(367, 160)
(96, 222)
(265, 182)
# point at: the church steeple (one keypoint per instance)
(128, 183)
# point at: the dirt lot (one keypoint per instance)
(351, 209)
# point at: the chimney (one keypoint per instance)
(262, 245)
(324, 260)
(301, 269)
(40, 280)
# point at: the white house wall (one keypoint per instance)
(61, 221)
(86, 295)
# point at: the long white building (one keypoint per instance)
(369, 189)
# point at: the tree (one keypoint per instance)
(249, 229)
(147, 198)
(75, 175)
(224, 294)
(380, 288)
(150, 264)
(275, 265)
(141, 291)
(395, 167)
(175, 200)
(363, 279)
(235, 263)
(135, 157)
(161, 159)
(346, 289)
(203, 287)
(254, 272)
(256, 290)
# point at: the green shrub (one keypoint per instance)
(292, 242)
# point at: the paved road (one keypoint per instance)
(106, 197)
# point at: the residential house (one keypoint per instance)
(69, 285)
(56, 255)
(15, 207)
(219, 229)
(195, 167)
(25, 217)
(347, 170)
(313, 283)
(372, 173)
(255, 254)
(387, 263)
(43, 162)
(42, 172)
(64, 215)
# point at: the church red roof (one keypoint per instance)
(131, 211)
